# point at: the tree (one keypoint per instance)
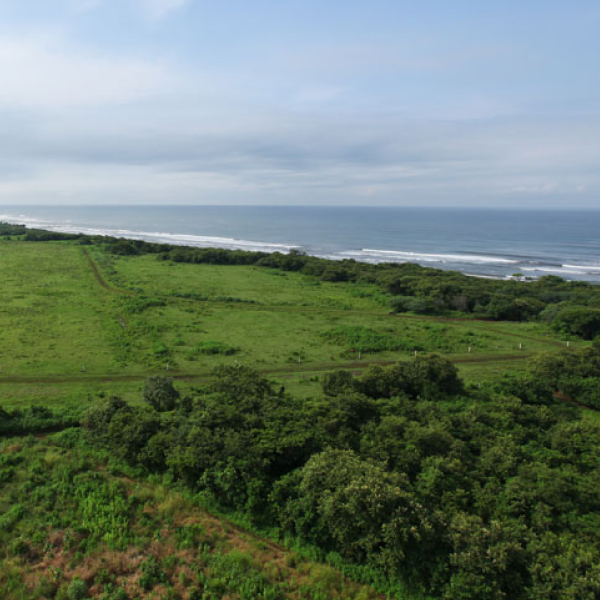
(337, 382)
(361, 510)
(582, 321)
(160, 393)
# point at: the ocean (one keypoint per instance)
(481, 242)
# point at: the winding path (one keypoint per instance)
(100, 279)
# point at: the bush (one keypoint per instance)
(337, 382)
(580, 321)
(152, 574)
(160, 393)
(212, 348)
(422, 306)
(77, 589)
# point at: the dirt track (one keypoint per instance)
(200, 375)
(100, 279)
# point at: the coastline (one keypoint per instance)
(468, 256)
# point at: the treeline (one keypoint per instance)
(471, 494)
(570, 307)
(7, 230)
(39, 235)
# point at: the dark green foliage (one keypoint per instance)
(338, 382)
(355, 505)
(579, 321)
(422, 306)
(133, 433)
(514, 309)
(7, 230)
(572, 363)
(35, 419)
(211, 348)
(471, 494)
(38, 235)
(239, 382)
(574, 375)
(160, 393)
(139, 304)
(430, 377)
(528, 387)
(124, 248)
(204, 297)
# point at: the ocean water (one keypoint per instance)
(486, 243)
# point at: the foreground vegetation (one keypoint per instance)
(402, 477)
(456, 493)
(78, 524)
(433, 435)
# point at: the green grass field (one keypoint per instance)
(75, 322)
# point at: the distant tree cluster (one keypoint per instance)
(7, 230)
(34, 419)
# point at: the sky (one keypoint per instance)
(283, 102)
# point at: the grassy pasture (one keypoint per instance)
(271, 317)
(53, 318)
(64, 336)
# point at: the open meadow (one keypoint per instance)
(76, 322)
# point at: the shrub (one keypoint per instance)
(77, 589)
(580, 321)
(160, 393)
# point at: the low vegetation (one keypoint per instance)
(77, 523)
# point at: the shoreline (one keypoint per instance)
(501, 267)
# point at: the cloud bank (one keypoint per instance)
(330, 123)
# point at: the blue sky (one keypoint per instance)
(300, 102)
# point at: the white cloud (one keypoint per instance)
(157, 9)
(546, 188)
(80, 6)
(41, 72)
(318, 94)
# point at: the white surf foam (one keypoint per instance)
(407, 256)
(564, 270)
(178, 239)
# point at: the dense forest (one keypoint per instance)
(461, 493)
